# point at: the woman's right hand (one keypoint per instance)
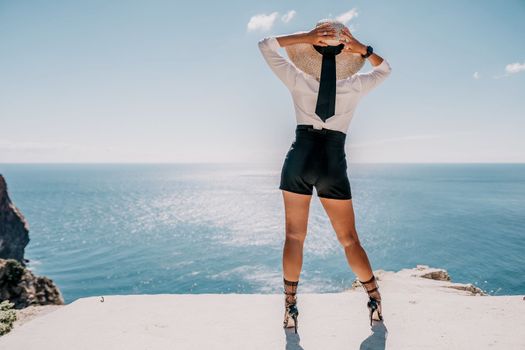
(351, 43)
(320, 33)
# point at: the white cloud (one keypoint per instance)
(347, 16)
(514, 68)
(288, 16)
(476, 75)
(8, 145)
(14, 151)
(402, 139)
(511, 68)
(262, 21)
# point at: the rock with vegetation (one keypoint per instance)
(21, 287)
(7, 316)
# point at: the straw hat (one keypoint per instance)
(306, 58)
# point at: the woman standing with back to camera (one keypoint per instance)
(325, 86)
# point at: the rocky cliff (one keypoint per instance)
(14, 230)
(17, 283)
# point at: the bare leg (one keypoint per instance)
(297, 207)
(341, 214)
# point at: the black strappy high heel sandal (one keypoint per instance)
(374, 304)
(290, 304)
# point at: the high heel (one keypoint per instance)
(374, 302)
(290, 304)
(290, 317)
(373, 305)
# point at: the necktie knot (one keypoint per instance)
(329, 50)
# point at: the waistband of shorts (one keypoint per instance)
(309, 130)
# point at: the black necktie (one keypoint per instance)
(325, 107)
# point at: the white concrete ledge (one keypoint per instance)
(419, 313)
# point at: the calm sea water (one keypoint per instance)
(128, 229)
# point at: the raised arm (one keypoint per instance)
(285, 70)
(281, 66)
(373, 78)
(380, 67)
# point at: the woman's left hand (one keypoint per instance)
(351, 44)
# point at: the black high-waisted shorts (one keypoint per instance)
(316, 158)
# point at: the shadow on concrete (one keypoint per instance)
(377, 340)
(292, 339)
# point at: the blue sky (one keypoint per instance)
(166, 81)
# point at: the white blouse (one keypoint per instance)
(304, 88)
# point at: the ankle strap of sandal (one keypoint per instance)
(290, 287)
(290, 283)
(370, 280)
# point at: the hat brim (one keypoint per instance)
(305, 57)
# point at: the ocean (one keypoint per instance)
(101, 229)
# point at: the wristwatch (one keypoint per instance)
(369, 51)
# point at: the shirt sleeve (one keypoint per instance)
(369, 80)
(285, 70)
